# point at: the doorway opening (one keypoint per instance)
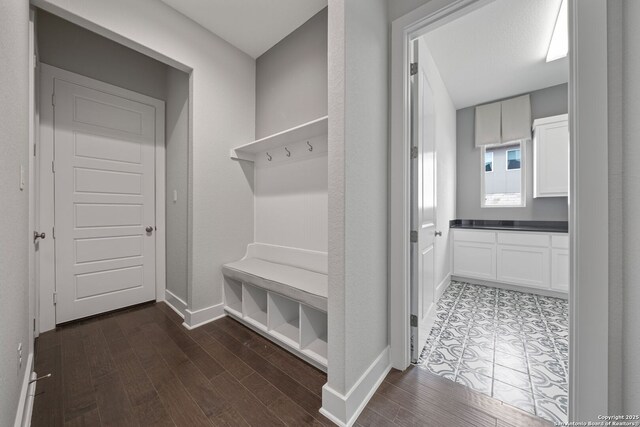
(489, 215)
(112, 157)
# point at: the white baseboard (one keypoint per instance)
(27, 394)
(344, 410)
(443, 286)
(193, 319)
(519, 288)
(175, 302)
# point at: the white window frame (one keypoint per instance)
(506, 162)
(484, 165)
(523, 178)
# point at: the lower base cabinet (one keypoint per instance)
(531, 260)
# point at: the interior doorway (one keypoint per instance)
(500, 323)
(112, 175)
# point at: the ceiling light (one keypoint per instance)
(559, 44)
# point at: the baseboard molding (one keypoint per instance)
(442, 286)
(193, 319)
(344, 410)
(537, 291)
(27, 394)
(176, 303)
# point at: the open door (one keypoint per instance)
(423, 202)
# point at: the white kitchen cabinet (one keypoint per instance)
(551, 156)
(475, 259)
(523, 265)
(531, 260)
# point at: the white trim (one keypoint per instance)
(443, 285)
(411, 25)
(25, 404)
(45, 208)
(196, 318)
(588, 211)
(344, 410)
(176, 303)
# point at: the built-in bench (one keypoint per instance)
(281, 292)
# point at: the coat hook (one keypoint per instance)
(269, 156)
(310, 146)
(288, 152)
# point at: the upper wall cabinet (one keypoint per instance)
(551, 156)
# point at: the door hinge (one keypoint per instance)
(413, 68)
(34, 325)
(53, 167)
(414, 152)
(53, 99)
(414, 320)
(53, 232)
(55, 298)
(34, 150)
(413, 237)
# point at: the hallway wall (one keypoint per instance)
(223, 115)
(14, 209)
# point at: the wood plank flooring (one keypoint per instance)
(140, 367)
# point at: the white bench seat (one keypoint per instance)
(306, 286)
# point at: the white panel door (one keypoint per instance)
(104, 201)
(423, 205)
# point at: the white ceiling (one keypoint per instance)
(497, 51)
(253, 26)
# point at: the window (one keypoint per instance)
(488, 162)
(503, 186)
(513, 159)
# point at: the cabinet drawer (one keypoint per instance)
(524, 265)
(524, 239)
(474, 236)
(560, 242)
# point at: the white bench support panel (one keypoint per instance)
(281, 293)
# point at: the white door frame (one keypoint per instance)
(45, 184)
(588, 200)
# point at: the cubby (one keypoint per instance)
(254, 301)
(233, 295)
(313, 333)
(284, 318)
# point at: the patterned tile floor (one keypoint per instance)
(510, 345)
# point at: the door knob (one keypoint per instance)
(438, 233)
(37, 236)
(149, 229)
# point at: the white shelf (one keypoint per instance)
(313, 333)
(317, 350)
(299, 133)
(233, 294)
(255, 305)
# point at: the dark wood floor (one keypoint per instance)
(140, 367)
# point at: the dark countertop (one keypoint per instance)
(507, 225)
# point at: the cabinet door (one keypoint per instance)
(524, 265)
(560, 270)
(551, 160)
(474, 260)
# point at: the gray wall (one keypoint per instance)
(397, 8)
(544, 102)
(14, 209)
(72, 48)
(177, 172)
(291, 79)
